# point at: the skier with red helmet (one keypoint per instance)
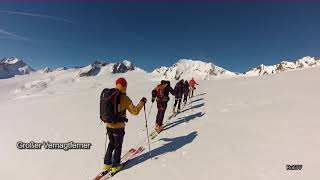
(113, 106)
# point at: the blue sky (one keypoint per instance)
(236, 36)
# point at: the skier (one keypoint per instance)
(192, 84)
(185, 92)
(116, 128)
(178, 97)
(161, 94)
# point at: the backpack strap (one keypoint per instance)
(115, 94)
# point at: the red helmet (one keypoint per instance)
(122, 81)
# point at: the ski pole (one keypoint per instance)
(191, 101)
(172, 105)
(150, 110)
(145, 117)
(105, 145)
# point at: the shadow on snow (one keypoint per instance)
(193, 107)
(172, 145)
(201, 94)
(184, 119)
(196, 100)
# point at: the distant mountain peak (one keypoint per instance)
(97, 66)
(123, 66)
(10, 60)
(9, 67)
(100, 63)
(188, 68)
(182, 69)
(285, 65)
(45, 70)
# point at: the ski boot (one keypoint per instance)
(158, 129)
(107, 167)
(116, 169)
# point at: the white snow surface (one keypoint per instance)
(245, 128)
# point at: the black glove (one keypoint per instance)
(144, 100)
(152, 100)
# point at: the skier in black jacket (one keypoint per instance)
(178, 96)
(185, 92)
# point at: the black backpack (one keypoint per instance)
(109, 105)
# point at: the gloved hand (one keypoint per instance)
(144, 100)
(153, 99)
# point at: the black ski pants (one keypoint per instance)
(115, 145)
(162, 106)
(185, 96)
(177, 101)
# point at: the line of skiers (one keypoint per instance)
(160, 93)
(114, 103)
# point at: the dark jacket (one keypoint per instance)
(186, 87)
(167, 89)
(178, 89)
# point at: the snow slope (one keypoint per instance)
(243, 128)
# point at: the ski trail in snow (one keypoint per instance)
(194, 110)
(179, 132)
(184, 130)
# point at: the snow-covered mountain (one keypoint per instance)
(123, 66)
(186, 69)
(9, 67)
(183, 69)
(284, 66)
(98, 66)
(46, 70)
(49, 70)
(92, 69)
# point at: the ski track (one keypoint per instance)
(183, 123)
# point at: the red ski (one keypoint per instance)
(124, 158)
(132, 153)
(135, 154)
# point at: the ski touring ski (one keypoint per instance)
(137, 152)
(124, 158)
(154, 135)
(174, 114)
